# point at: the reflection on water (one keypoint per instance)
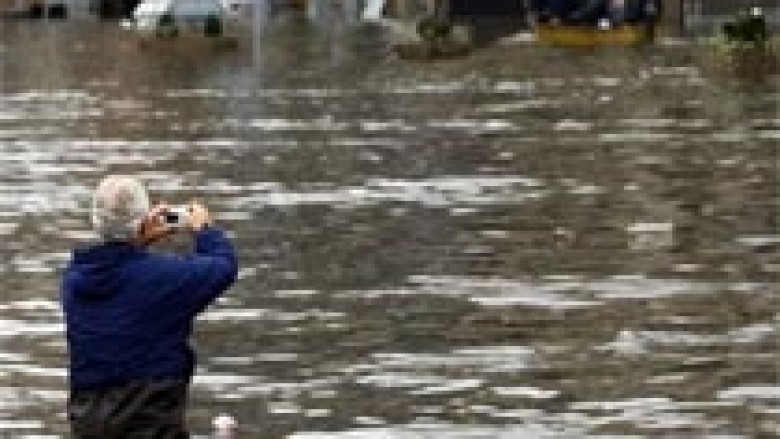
(530, 242)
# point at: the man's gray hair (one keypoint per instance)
(119, 206)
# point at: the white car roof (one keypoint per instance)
(178, 8)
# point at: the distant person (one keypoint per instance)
(129, 313)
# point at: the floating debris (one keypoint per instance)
(651, 236)
(225, 426)
(437, 38)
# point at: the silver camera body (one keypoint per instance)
(175, 217)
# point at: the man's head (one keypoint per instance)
(119, 206)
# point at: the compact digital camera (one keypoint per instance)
(175, 217)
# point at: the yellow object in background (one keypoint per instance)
(586, 36)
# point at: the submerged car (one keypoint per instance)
(171, 18)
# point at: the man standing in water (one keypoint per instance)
(129, 314)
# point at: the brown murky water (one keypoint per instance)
(527, 243)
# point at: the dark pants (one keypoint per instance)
(139, 410)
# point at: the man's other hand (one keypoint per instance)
(199, 216)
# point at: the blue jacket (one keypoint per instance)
(129, 312)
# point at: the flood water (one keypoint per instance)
(530, 242)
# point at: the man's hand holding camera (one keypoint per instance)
(164, 220)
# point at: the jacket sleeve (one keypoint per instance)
(210, 270)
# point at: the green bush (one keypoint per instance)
(434, 28)
(747, 28)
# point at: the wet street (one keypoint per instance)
(530, 242)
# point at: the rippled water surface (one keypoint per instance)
(527, 243)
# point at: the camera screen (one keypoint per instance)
(172, 217)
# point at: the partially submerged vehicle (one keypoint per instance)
(174, 18)
(589, 36)
(596, 22)
(41, 9)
